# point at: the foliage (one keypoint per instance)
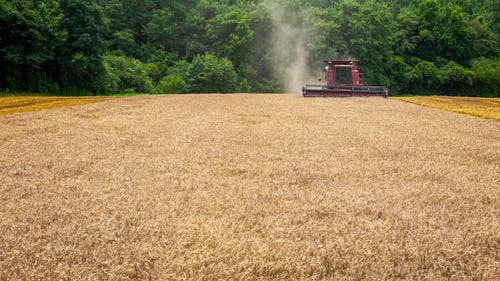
(486, 77)
(455, 79)
(171, 84)
(175, 79)
(95, 46)
(80, 60)
(209, 74)
(31, 35)
(125, 73)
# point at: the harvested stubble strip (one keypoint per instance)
(480, 107)
(249, 187)
(16, 104)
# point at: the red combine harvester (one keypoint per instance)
(344, 80)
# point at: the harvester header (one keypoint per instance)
(344, 80)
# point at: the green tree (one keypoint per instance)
(126, 74)
(175, 79)
(209, 74)
(486, 77)
(362, 30)
(428, 46)
(31, 35)
(81, 61)
(455, 79)
(443, 33)
(426, 80)
(230, 36)
(162, 30)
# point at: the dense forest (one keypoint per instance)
(448, 47)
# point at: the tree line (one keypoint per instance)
(71, 47)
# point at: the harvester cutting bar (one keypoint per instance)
(344, 91)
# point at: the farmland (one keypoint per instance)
(15, 104)
(480, 107)
(249, 187)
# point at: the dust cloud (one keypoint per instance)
(289, 48)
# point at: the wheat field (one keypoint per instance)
(249, 187)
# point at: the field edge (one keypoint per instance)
(487, 108)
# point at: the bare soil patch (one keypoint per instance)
(249, 187)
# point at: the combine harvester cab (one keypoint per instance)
(344, 80)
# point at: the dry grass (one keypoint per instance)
(480, 107)
(249, 187)
(16, 104)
